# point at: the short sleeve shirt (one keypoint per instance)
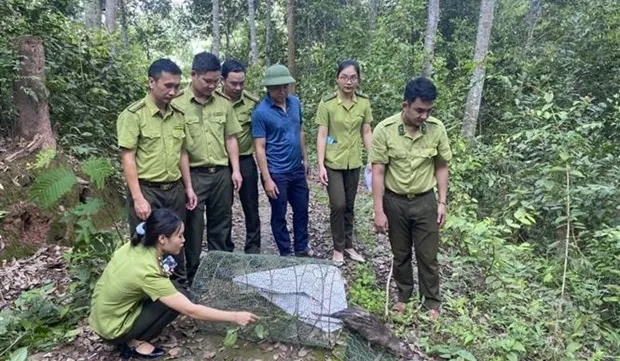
(243, 110)
(282, 132)
(344, 124)
(157, 138)
(132, 274)
(207, 126)
(409, 161)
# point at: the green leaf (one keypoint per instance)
(52, 185)
(98, 171)
(466, 355)
(21, 354)
(572, 347)
(548, 97)
(518, 346)
(259, 331)
(512, 357)
(231, 337)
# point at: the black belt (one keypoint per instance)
(408, 196)
(209, 170)
(164, 186)
(246, 156)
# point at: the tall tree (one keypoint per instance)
(268, 5)
(215, 49)
(30, 94)
(290, 28)
(92, 13)
(476, 84)
(429, 38)
(372, 14)
(252, 26)
(124, 30)
(532, 18)
(111, 7)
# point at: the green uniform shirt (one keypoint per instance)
(243, 110)
(344, 124)
(409, 161)
(207, 126)
(157, 139)
(132, 274)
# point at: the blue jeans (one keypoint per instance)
(293, 189)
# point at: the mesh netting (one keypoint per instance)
(358, 349)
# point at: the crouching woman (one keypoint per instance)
(134, 299)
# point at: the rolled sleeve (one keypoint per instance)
(157, 286)
(127, 130)
(258, 125)
(232, 124)
(443, 148)
(378, 152)
(322, 115)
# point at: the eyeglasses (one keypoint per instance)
(346, 79)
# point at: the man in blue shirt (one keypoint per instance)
(280, 147)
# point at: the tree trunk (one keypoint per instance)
(92, 13)
(111, 7)
(124, 36)
(429, 38)
(476, 85)
(372, 15)
(215, 49)
(267, 32)
(30, 94)
(532, 18)
(290, 27)
(252, 26)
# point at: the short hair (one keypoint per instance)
(205, 62)
(163, 66)
(347, 63)
(422, 88)
(232, 66)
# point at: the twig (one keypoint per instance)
(387, 288)
(13, 344)
(568, 224)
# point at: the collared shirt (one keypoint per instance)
(344, 124)
(207, 126)
(243, 110)
(157, 138)
(409, 161)
(282, 132)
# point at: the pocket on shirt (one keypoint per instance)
(425, 152)
(193, 124)
(178, 135)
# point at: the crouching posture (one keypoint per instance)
(134, 300)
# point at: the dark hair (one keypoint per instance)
(163, 66)
(232, 66)
(160, 222)
(420, 88)
(347, 63)
(205, 62)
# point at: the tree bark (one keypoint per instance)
(268, 5)
(30, 94)
(532, 17)
(252, 26)
(372, 15)
(124, 36)
(111, 7)
(290, 27)
(429, 38)
(215, 49)
(476, 85)
(92, 14)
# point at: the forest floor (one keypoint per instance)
(183, 340)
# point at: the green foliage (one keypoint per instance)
(51, 185)
(364, 291)
(98, 170)
(44, 158)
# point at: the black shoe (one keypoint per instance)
(157, 352)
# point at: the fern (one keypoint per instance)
(82, 210)
(44, 158)
(52, 185)
(98, 170)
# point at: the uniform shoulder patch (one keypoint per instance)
(176, 107)
(137, 106)
(220, 93)
(251, 96)
(361, 95)
(329, 97)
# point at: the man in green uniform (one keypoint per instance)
(410, 155)
(233, 82)
(211, 127)
(151, 136)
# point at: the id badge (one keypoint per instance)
(168, 265)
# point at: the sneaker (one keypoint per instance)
(354, 255)
(338, 259)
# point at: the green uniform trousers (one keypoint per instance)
(162, 195)
(248, 196)
(153, 318)
(214, 190)
(412, 222)
(342, 189)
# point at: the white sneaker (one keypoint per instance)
(354, 255)
(338, 258)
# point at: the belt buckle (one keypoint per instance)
(211, 170)
(411, 195)
(167, 186)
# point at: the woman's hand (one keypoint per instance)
(244, 318)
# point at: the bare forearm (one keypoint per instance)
(232, 146)
(367, 137)
(204, 313)
(303, 147)
(261, 159)
(131, 173)
(441, 174)
(187, 179)
(378, 189)
(320, 145)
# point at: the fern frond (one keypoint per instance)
(88, 209)
(98, 170)
(52, 185)
(44, 158)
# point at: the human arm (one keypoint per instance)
(183, 305)
(141, 205)
(261, 158)
(187, 182)
(232, 147)
(378, 189)
(321, 141)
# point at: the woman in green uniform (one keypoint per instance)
(134, 299)
(343, 118)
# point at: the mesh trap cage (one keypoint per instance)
(358, 349)
(291, 295)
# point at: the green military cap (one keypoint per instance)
(278, 74)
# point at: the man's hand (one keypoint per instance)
(441, 214)
(245, 318)
(192, 200)
(381, 222)
(237, 180)
(271, 189)
(323, 175)
(142, 208)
